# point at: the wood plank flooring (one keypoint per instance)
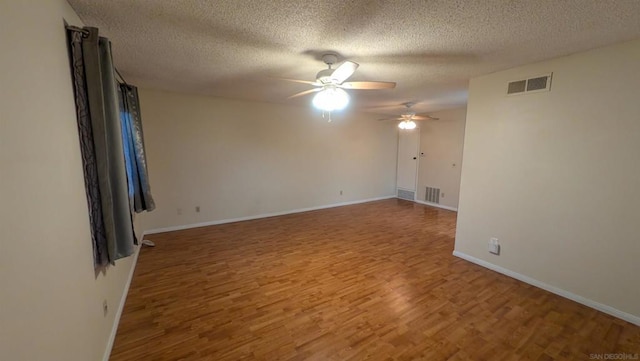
(374, 281)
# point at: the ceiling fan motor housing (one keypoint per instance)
(324, 76)
(408, 114)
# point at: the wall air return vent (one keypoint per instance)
(518, 86)
(432, 195)
(405, 194)
(532, 85)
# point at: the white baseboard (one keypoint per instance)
(123, 300)
(437, 205)
(263, 215)
(558, 291)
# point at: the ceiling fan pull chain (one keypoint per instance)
(328, 116)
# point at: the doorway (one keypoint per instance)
(407, 172)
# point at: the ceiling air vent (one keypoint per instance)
(532, 85)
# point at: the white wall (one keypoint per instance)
(50, 297)
(239, 159)
(441, 143)
(556, 177)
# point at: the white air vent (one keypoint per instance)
(432, 195)
(518, 86)
(535, 84)
(405, 194)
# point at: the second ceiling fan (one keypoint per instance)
(330, 84)
(408, 116)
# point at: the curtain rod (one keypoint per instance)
(85, 33)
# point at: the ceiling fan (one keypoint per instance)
(330, 84)
(408, 116)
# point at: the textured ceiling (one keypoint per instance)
(235, 48)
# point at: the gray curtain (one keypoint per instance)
(140, 198)
(89, 163)
(98, 116)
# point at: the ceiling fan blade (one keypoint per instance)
(344, 71)
(368, 85)
(380, 108)
(424, 117)
(305, 93)
(381, 119)
(301, 81)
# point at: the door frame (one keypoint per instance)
(417, 162)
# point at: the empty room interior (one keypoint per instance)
(319, 180)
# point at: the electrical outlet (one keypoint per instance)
(197, 209)
(442, 195)
(179, 211)
(105, 308)
(340, 192)
(494, 246)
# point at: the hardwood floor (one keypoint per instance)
(374, 281)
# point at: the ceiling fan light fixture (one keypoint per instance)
(407, 124)
(330, 99)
